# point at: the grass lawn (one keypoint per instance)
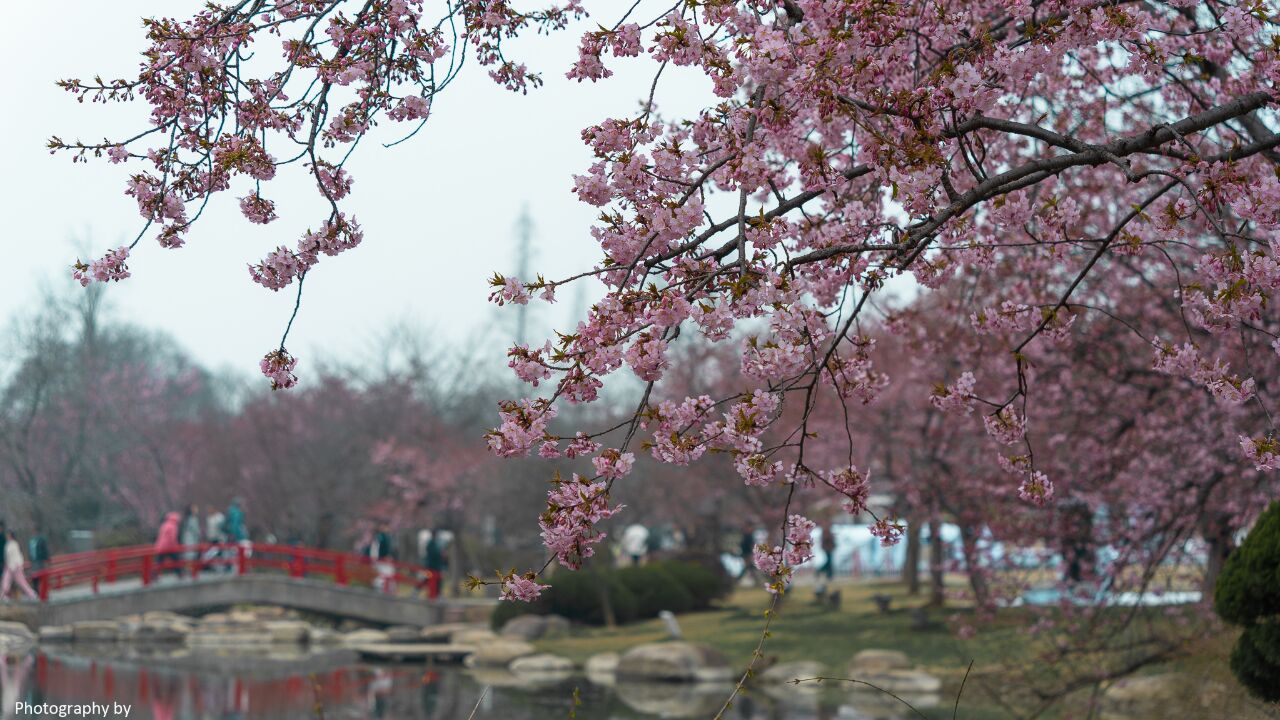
(805, 631)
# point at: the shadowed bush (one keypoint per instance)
(1248, 594)
(635, 593)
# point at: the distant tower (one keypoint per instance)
(524, 232)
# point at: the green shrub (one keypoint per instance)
(1249, 587)
(1248, 593)
(505, 610)
(635, 593)
(576, 596)
(1255, 661)
(655, 590)
(705, 584)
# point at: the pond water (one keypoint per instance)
(335, 686)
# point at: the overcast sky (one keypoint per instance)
(439, 211)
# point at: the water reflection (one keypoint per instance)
(182, 685)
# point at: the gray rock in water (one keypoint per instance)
(673, 661)
(364, 637)
(500, 653)
(95, 631)
(524, 627)
(159, 632)
(898, 682)
(404, 634)
(541, 664)
(877, 660)
(556, 626)
(673, 700)
(15, 636)
(288, 632)
(789, 672)
(602, 664)
(55, 633)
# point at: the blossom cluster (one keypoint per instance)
(574, 506)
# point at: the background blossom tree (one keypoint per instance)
(1064, 172)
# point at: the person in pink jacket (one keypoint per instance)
(166, 547)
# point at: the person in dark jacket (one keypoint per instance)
(38, 555)
(381, 550)
(433, 559)
(234, 523)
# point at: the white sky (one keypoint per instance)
(438, 211)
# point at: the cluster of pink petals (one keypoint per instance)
(1264, 452)
(1215, 376)
(956, 397)
(278, 366)
(888, 531)
(257, 209)
(1005, 425)
(574, 507)
(613, 464)
(523, 588)
(1036, 489)
(109, 268)
(524, 423)
(854, 485)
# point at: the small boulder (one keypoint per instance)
(878, 660)
(16, 629)
(323, 636)
(15, 636)
(557, 626)
(164, 616)
(474, 636)
(500, 653)
(673, 661)
(602, 664)
(685, 700)
(898, 682)
(404, 634)
(288, 632)
(789, 672)
(540, 664)
(229, 638)
(55, 633)
(158, 632)
(524, 627)
(364, 637)
(95, 631)
(444, 632)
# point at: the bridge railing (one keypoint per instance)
(146, 564)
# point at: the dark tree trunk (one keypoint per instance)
(1220, 541)
(936, 559)
(911, 566)
(977, 581)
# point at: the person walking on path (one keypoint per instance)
(380, 551)
(215, 534)
(13, 562)
(189, 534)
(235, 527)
(635, 542)
(38, 552)
(433, 560)
(166, 547)
(747, 551)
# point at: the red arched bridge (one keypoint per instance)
(104, 584)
